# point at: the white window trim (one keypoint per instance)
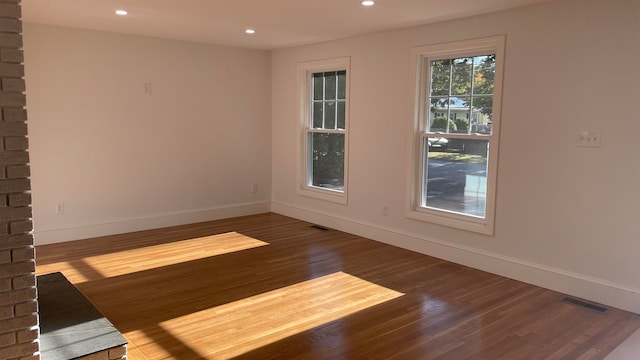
(305, 70)
(420, 57)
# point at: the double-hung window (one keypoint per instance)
(324, 120)
(456, 132)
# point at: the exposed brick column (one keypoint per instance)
(18, 304)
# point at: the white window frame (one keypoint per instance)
(305, 71)
(421, 57)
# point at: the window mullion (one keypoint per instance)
(449, 97)
(473, 83)
(324, 99)
(335, 112)
(327, 131)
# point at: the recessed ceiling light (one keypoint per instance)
(250, 31)
(367, 3)
(121, 12)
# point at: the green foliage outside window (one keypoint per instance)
(439, 124)
(462, 125)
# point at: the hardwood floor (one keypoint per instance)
(272, 287)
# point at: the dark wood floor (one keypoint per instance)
(272, 287)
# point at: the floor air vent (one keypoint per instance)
(585, 304)
(318, 227)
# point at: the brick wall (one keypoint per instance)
(18, 305)
(116, 353)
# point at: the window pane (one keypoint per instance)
(327, 160)
(317, 115)
(330, 85)
(318, 86)
(456, 109)
(342, 85)
(462, 71)
(440, 77)
(341, 114)
(439, 111)
(456, 175)
(330, 115)
(459, 115)
(484, 74)
(482, 114)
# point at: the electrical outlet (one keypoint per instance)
(60, 207)
(385, 210)
(254, 188)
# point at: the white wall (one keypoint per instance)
(122, 160)
(567, 217)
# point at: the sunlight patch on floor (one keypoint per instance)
(150, 257)
(241, 326)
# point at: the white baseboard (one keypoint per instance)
(567, 282)
(120, 226)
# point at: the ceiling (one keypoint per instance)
(278, 23)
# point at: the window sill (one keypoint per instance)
(322, 194)
(453, 220)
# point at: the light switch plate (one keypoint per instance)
(588, 139)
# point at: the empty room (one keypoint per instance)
(338, 179)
